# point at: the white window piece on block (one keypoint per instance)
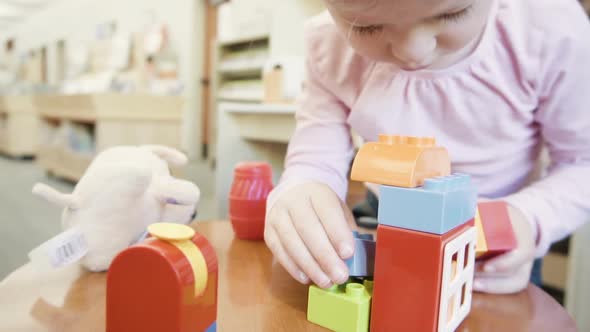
(457, 280)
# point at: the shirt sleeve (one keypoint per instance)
(560, 202)
(321, 147)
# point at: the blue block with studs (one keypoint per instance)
(437, 207)
(362, 264)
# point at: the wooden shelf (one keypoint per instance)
(19, 126)
(263, 122)
(242, 66)
(63, 163)
(115, 119)
(90, 107)
(70, 107)
(243, 40)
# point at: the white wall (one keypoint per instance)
(76, 20)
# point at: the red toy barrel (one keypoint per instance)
(247, 199)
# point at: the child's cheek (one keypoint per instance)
(454, 36)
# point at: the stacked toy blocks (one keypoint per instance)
(495, 233)
(425, 251)
(343, 308)
(402, 161)
(440, 205)
(362, 263)
(458, 270)
(167, 283)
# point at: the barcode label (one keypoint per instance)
(61, 250)
(70, 251)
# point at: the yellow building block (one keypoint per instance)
(342, 308)
(481, 246)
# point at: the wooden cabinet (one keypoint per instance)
(109, 120)
(19, 126)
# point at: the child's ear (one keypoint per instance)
(176, 191)
(55, 197)
(170, 155)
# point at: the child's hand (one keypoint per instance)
(510, 272)
(308, 233)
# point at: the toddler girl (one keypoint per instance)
(490, 79)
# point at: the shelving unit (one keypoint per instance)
(19, 125)
(109, 119)
(250, 34)
(250, 132)
(240, 67)
(263, 122)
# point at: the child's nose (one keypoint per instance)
(414, 47)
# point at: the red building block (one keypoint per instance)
(151, 288)
(497, 228)
(408, 276)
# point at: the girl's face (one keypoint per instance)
(413, 34)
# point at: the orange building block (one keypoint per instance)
(497, 228)
(408, 276)
(151, 288)
(402, 161)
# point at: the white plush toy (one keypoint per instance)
(124, 190)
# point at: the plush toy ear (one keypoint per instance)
(55, 197)
(175, 191)
(170, 155)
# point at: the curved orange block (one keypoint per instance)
(402, 161)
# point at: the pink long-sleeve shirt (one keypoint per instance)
(527, 82)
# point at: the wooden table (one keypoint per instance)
(255, 294)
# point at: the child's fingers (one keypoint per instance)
(327, 208)
(505, 263)
(298, 252)
(483, 274)
(275, 246)
(334, 222)
(310, 230)
(501, 285)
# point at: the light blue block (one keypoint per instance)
(362, 264)
(212, 327)
(442, 204)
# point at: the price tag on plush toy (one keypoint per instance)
(64, 249)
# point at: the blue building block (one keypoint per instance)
(212, 327)
(362, 264)
(440, 205)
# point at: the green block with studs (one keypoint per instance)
(341, 308)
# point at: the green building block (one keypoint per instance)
(341, 308)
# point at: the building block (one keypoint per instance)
(481, 246)
(212, 328)
(362, 263)
(497, 228)
(166, 283)
(403, 161)
(457, 280)
(342, 308)
(442, 204)
(408, 277)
